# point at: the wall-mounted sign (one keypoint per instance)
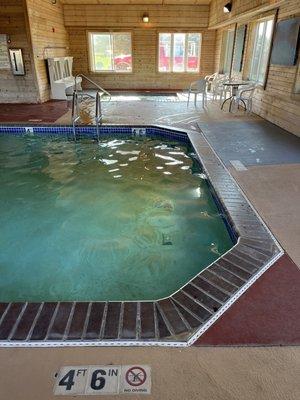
(4, 58)
(17, 62)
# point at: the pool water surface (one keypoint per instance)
(122, 219)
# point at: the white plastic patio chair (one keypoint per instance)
(245, 95)
(210, 80)
(198, 87)
(211, 77)
(219, 89)
(236, 76)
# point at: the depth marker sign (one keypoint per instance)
(103, 379)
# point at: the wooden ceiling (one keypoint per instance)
(158, 2)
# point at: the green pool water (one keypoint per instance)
(123, 219)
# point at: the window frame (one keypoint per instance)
(224, 51)
(91, 51)
(253, 46)
(185, 52)
(240, 65)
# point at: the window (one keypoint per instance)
(179, 52)
(239, 46)
(261, 49)
(226, 52)
(110, 52)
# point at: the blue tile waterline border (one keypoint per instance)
(177, 320)
(90, 131)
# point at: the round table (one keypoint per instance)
(234, 90)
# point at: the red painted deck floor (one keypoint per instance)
(268, 313)
(33, 113)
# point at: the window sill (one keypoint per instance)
(110, 72)
(178, 72)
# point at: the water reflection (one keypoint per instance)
(82, 221)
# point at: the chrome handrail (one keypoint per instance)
(98, 114)
(75, 112)
(75, 103)
(93, 83)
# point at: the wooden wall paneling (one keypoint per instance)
(239, 7)
(49, 38)
(138, 2)
(115, 16)
(276, 103)
(81, 19)
(13, 22)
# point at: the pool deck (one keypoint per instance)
(266, 315)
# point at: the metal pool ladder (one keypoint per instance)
(78, 96)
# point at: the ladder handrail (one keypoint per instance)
(93, 83)
(98, 114)
(75, 110)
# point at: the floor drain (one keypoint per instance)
(166, 240)
(238, 165)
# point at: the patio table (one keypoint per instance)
(234, 90)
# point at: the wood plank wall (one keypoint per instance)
(17, 89)
(276, 103)
(79, 19)
(217, 14)
(49, 38)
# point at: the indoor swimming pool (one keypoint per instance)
(123, 219)
(120, 235)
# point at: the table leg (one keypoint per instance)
(244, 104)
(229, 98)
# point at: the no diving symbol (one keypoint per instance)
(136, 376)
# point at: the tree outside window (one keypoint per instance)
(261, 49)
(110, 52)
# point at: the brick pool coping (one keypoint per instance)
(178, 320)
